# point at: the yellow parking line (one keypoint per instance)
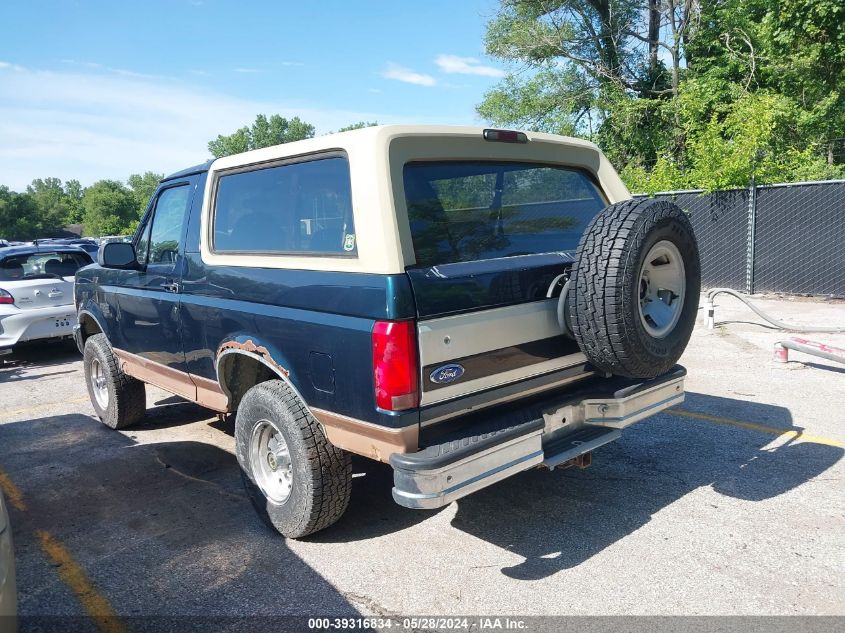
(11, 414)
(12, 492)
(761, 428)
(94, 603)
(74, 576)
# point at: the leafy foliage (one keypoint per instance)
(679, 93)
(19, 215)
(143, 187)
(264, 132)
(110, 208)
(357, 126)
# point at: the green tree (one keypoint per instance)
(110, 208)
(73, 197)
(143, 187)
(19, 216)
(264, 132)
(357, 126)
(51, 202)
(742, 86)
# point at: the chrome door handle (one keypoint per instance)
(170, 286)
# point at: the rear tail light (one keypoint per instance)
(5, 297)
(395, 367)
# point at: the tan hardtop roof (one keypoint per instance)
(376, 158)
(381, 135)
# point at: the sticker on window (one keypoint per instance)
(349, 242)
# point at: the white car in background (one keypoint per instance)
(36, 292)
(8, 591)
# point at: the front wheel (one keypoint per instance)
(119, 400)
(296, 479)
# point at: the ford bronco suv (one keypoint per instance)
(461, 303)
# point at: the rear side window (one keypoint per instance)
(296, 208)
(463, 211)
(42, 266)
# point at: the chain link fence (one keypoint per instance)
(771, 238)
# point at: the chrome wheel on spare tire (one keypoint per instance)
(662, 287)
(635, 287)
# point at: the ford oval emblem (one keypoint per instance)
(446, 374)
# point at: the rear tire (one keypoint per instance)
(119, 400)
(297, 480)
(635, 288)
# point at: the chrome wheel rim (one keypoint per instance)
(99, 387)
(270, 460)
(662, 288)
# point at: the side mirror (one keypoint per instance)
(118, 255)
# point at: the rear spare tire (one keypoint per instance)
(635, 288)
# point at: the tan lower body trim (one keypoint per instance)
(367, 439)
(169, 379)
(210, 395)
(203, 391)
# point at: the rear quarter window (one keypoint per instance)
(296, 208)
(471, 210)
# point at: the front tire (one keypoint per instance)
(119, 400)
(297, 480)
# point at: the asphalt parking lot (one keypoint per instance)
(732, 504)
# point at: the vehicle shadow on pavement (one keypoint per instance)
(372, 511)
(33, 356)
(161, 529)
(559, 520)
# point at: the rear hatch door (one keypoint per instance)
(494, 242)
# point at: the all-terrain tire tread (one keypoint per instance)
(330, 485)
(128, 394)
(605, 269)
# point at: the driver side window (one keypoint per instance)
(161, 237)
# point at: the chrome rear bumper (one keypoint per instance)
(550, 433)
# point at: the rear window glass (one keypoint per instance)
(463, 211)
(295, 208)
(42, 265)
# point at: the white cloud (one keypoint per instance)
(466, 66)
(92, 125)
(10, 66)
(248, 71)
(400, 73)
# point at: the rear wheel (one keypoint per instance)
(635, 288)
(119, 400)
(297, 480)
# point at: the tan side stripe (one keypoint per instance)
(363, 438)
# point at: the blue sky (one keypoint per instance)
(92, 90)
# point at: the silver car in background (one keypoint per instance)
(36, 292)
(8, 590)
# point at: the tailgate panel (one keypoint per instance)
(471, 352)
